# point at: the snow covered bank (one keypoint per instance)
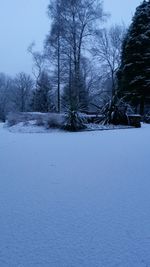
(31, 127)
(75, 199)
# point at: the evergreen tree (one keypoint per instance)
(42, 96)
(134, 72)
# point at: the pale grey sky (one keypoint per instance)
(24, 21)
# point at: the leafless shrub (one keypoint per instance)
(40, 121)
(54, 121)
(13, 119)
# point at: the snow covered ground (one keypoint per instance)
(31, 127)
(75, 199)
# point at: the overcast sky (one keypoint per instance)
(25, 21)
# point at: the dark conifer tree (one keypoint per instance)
(42, 96)
(134, 72)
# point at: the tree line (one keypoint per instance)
(84, 64)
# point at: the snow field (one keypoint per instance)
(75, 199)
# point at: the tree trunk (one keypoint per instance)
(58, 82)
(142, 104)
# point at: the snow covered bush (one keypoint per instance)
(54, 120)
(47, 120)
(146, 118)
(134, 120)
(13, 119)
(40, 121)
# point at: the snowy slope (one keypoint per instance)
(75, 199)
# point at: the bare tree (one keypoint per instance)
(107, 50)
(6, 104)
(23, 85)
(53, 43)
(38, 62)
(74, 22)
(80, 20)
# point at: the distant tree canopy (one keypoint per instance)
(85, 67)
(134, 72)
